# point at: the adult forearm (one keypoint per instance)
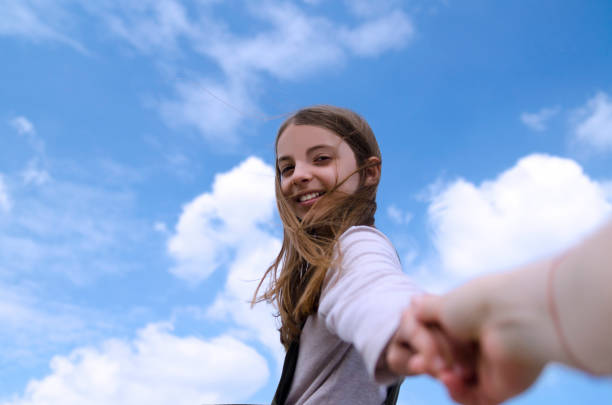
(582, 293)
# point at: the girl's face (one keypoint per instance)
(311, 161)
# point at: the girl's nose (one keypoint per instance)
(301, 174)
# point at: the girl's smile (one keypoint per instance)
(311, 161)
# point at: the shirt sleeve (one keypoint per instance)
(365, 294)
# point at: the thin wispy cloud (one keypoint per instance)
(5, 200)
(539, 121)
(36, 326)
(594, 123)
(38, 21)
(23, 125)
(398, 215)
(389, 32)
(25, 128)
(293, 42)
(69, 237)
(34, 173)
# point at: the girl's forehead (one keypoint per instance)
(297, 139)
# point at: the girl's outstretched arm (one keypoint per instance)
(365, 295)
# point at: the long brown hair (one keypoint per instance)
(297, 274)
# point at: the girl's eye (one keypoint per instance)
(322, 158)
(286, 170)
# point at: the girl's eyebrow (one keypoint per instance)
(308, 151)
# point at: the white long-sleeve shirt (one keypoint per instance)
(359, 310)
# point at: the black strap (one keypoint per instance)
(392, 394)
(284, 385)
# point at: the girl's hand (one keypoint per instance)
(416, 348)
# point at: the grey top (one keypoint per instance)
(359, 310)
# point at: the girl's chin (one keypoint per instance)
(300, 212)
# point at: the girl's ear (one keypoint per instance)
(372, 171)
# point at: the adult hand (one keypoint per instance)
(497, 329)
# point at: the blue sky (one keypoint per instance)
(136, 200)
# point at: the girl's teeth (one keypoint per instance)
(308, 197)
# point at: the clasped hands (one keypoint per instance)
(476, 340)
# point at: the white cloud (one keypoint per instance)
(389, 32)
(539, 121)
(149, 25)
(215, 109)
(33, 174)
(160, 227)
(69, 237)
(288, 43)
(35, 324)
(607, 188)
(229, 227)
(367, 8)
(594, 127)
(23, 125)
(36, 21)
(398, 216)
(296, 44)
(156, 368)
(538, 206)
(214, 224)
(245, 271)
(5, 201)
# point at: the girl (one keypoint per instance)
(337, 280)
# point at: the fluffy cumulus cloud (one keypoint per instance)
(538, 206)
(233, 303)
(594, 127)
(229, 228)
(214, 224)
(539, 121)
(157, 367)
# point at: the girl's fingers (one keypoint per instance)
(416, 346)
(434, 351)
(398, 358)
(417, 364)
(458, 389)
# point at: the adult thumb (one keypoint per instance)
(458, 313)
(427, 308)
